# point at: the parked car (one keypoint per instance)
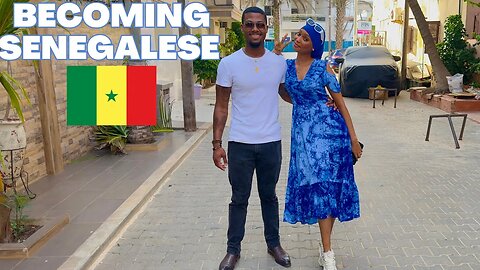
(334, 55)
(367, 66)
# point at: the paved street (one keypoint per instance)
(419, 204)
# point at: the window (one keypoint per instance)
(294, 10)
(268, 10)
(223, 25)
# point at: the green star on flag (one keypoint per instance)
(111, 96)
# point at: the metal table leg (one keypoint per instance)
(428, 128)
(395, 100)
(452, 128)
(463, 126)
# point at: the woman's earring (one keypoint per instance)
(313, 50)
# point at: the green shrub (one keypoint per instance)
(114, 137)
(236, 28)
(230, 44)
(206, 70)
(454, 51)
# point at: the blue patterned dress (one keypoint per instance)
(320, 179)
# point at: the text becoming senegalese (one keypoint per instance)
(100, 46)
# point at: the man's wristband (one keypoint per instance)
(215, 143)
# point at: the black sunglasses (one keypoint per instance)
(259, 25)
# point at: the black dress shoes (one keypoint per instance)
(280, 255)
(228, 262)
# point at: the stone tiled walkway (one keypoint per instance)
(419, 204)
(89, 190)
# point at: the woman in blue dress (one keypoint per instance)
(321, 185)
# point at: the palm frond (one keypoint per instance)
(6, 80)
(164, 123)
(114, 137)
(6, 17)
(10, 85)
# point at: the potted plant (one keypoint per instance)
(112, 137)
(12, 132)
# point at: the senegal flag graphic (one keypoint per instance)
(111, 95)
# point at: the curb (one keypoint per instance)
(89, 252)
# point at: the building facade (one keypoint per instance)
(436, 13)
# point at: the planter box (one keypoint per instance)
(446, 103)
(35, 241)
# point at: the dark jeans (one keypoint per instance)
(243, 160)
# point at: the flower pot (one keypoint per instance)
(197, 91)
(13, 142)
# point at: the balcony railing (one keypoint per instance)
(303, 17)
(225, 10)
(223, 3)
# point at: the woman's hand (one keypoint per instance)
(357, 149)
(331, 103)
(280, 46)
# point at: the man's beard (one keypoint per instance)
(254, 44)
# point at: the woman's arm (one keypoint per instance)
(284, 94)
(342, 108)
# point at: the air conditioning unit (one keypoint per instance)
(397, 15)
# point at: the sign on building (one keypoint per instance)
(364, 27)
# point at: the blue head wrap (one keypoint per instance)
(317, 36)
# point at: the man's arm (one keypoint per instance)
(220, 115)
(283, 93)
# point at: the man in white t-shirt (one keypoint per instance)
(252, 75)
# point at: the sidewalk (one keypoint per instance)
(418, 199)
(93, 188)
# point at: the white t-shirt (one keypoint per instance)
(254, 83)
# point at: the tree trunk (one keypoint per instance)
(439, 70)
(5, 229)
(276, 19)
(341, 6)
(189, 114)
